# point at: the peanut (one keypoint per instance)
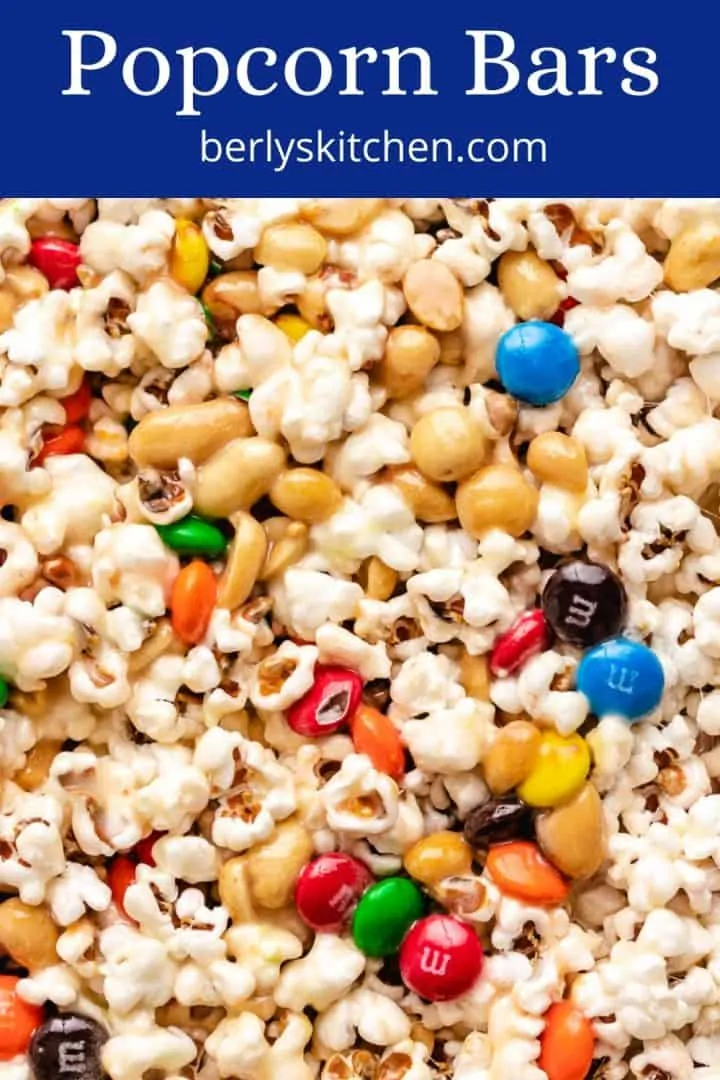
(245, 561)
(190, 431)
(235, 477)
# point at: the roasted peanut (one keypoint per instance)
(190, 431)
(440, 855)
(529, 284)
(162, 640)
(234, 889)
(448, 444)
(305, 494)
(229, 296)
(22, 283)
(410, 355)
(434, 295)
(429, 502)
(8, 304)
(475, 676)
(511, 756)
(273, 867)
(497, 497)
(341, 217)
(286, 548)
(558, 459)
(28, 934)
(246, 556)
(381, 579)
(26, 282)
(312, 304)
(452, 348)
(693, 261)
(291, 245)
(38, 760)
(573, 835)
(237, 476)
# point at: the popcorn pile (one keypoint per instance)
(360, 639)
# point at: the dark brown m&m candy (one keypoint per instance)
(497, 821)
(68, 1047)
(584, 602)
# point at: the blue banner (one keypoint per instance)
(385, 98)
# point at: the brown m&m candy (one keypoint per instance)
(68, 1047)
(584, 602)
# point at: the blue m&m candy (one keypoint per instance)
(537, 362)
(622, 677)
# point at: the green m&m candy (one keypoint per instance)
(193, 535)
(384, 915)
(4, 692)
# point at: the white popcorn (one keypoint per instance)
(305, 599)
(77, 890)
(59, 517)
(239, 1048)
(36, 641)
(380, 442)
(137, 971)
(131, 564)
(139, 250)
(283, 677)
(707, 622)
(261, 949)
(374, 1017)
(627, 273)
(128, 1056)
(358, 334)
(31, 834)
(338, 646)
(379, 523)
(309, 400)
(20, 563)
(621, 336)
(383, 250)
(359, 800)
(262, 794)
(424, 684)
(450, 740)
(565, 710)
(246, 219)
(708, 714)
(57, 984)
(170, 323)
(321, 977)
(486, 319)
(98, 347)
(190, 858)
(38, 350)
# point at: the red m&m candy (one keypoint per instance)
(329, 703)
(328, 889)
(527, 635)
(440, 958)
(57, 259)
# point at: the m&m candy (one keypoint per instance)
(621, 676)
(537, 362)
(328, 888)
(584, 602)
(527, 635)
(69, 1045)
(385, 914)
(329, 703)
(441, 958)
